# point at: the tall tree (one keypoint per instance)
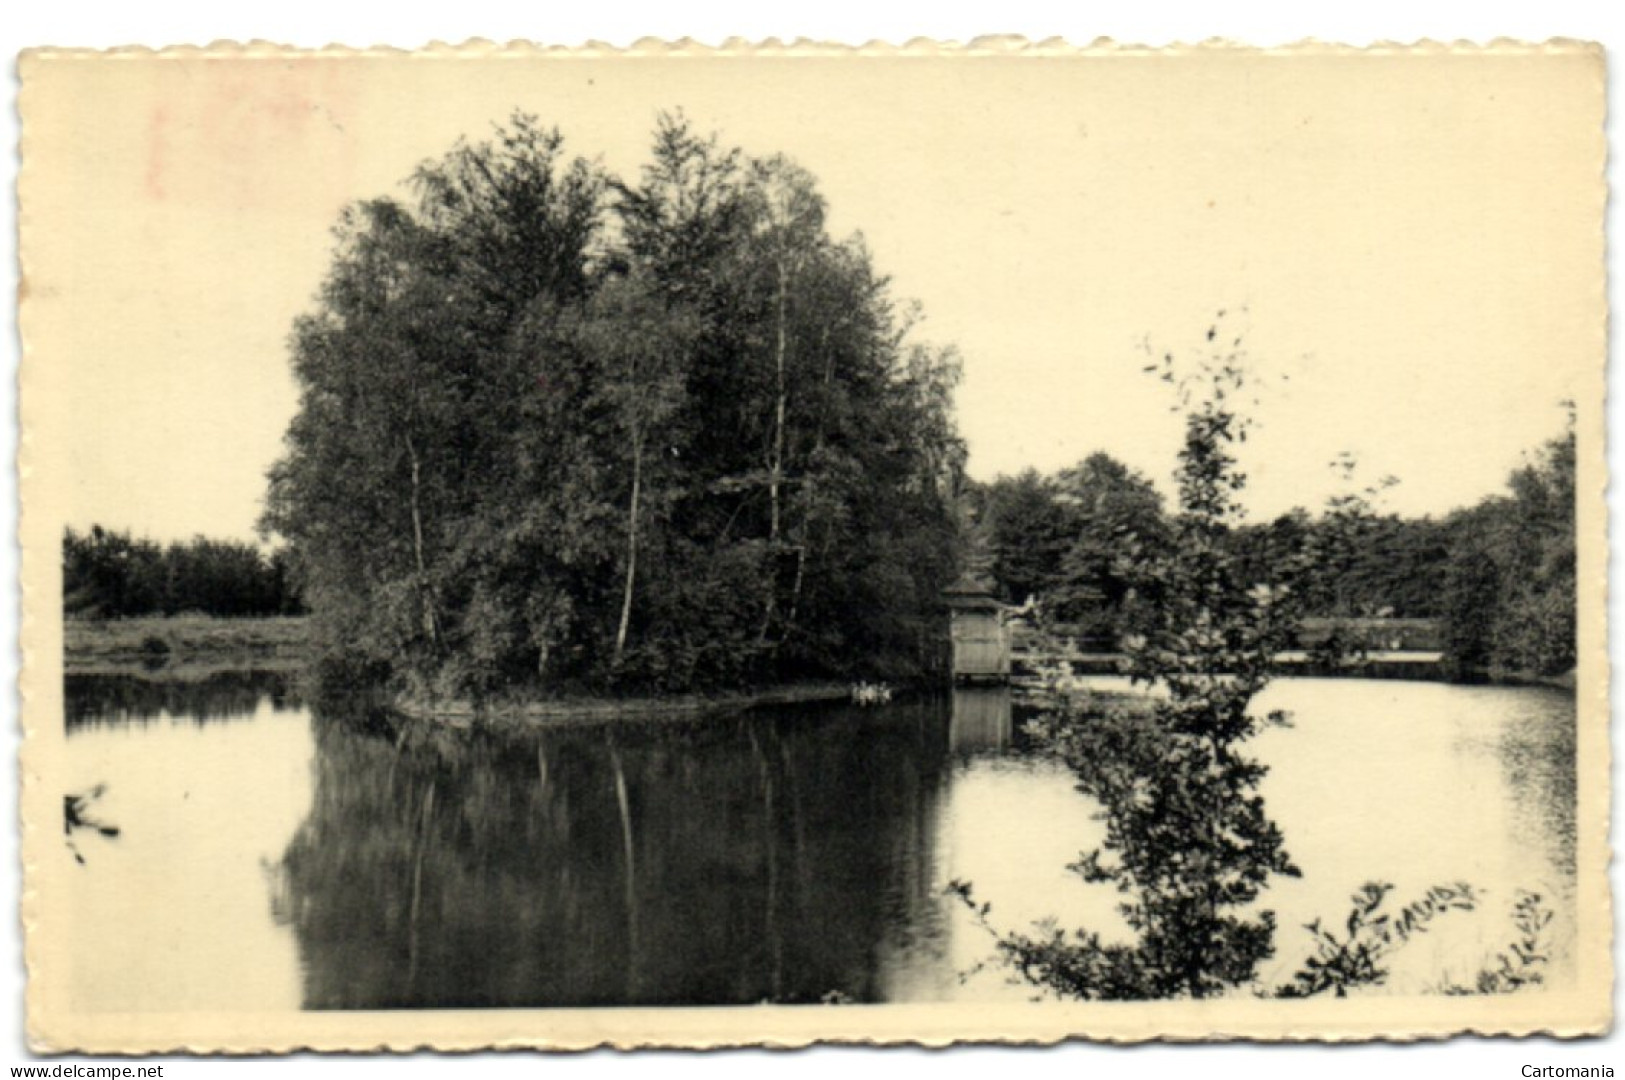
(409, 390)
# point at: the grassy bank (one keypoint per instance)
(181, 646)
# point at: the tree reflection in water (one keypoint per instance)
(719, 861)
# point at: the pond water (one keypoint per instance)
(792, 855)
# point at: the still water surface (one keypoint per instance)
(270, 858)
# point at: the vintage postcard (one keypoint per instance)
(689, 547)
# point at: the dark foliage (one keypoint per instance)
(1354, 955)
(1188, 844)
(1509, 582)
(218, 697)
(108, 575)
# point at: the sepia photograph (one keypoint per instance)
(690, 547)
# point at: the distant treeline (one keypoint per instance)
(1499, 576)
(108, 574)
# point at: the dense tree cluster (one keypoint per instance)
(1374, 565)
(1509, 581)
(560, 429)
(1188, 845)
(108, 574)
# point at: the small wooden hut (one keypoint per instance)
(981, 643)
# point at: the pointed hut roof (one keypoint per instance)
(971, 594)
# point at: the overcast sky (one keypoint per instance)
(1407, 238)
